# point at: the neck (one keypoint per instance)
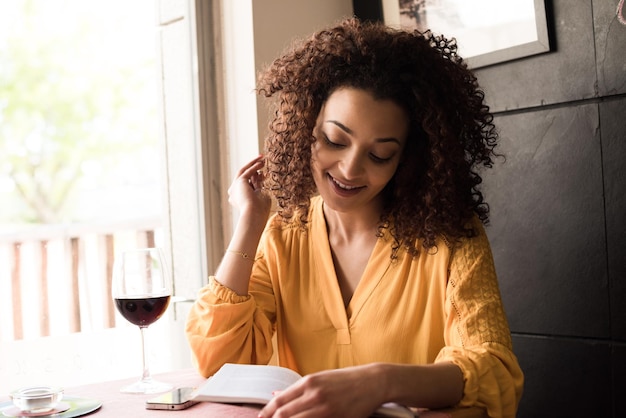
(348, 226)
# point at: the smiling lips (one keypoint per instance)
(343, 189)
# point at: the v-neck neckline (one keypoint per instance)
(377, 264)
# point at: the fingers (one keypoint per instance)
(295, 401)
(251, 173)
(246, 192)
(281, 398)
(270, 410)
(255, 164)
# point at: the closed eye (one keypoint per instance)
(379, 160)
(330, 143)
(376, 159)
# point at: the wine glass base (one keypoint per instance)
(147, 386)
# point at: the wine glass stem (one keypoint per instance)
(144, 355)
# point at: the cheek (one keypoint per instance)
(314, 155)
(315, 159)
(319, 156)
(384, 175)
(315, 148)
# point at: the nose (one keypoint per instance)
(351, 165)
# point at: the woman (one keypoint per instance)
(375, 272)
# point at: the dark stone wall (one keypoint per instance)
(558, 226)
(558, 209)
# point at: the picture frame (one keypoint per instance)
(487, 32)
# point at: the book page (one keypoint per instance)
(252, 383)
(392, 409)
(246, 383)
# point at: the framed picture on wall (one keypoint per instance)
(487, 31)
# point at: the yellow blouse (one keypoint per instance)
(441, 306)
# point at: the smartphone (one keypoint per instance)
(174, 401)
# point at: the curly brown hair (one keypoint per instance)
(434, 192)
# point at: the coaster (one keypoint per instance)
(14, 411)
(76, 407)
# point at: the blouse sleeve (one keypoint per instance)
(477, 333)
(224, 327)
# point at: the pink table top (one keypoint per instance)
(116, 404)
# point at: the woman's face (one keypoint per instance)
(359, 143)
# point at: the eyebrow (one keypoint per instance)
(351, 132)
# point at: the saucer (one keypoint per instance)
(77, 408)
(14, 411)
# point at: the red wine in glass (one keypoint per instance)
(142, 311)
(142, 289)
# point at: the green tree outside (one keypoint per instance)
(77, 104)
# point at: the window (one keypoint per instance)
(81, 176)
(192, 183)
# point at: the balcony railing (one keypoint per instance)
(56, 279)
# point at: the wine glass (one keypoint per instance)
(142, 289)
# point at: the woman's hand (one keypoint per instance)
(246, 192)
(348, 392)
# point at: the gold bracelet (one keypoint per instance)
(243, 255)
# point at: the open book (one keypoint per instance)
(251, 383)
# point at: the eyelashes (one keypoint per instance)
(330, 143)
(335, 145)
